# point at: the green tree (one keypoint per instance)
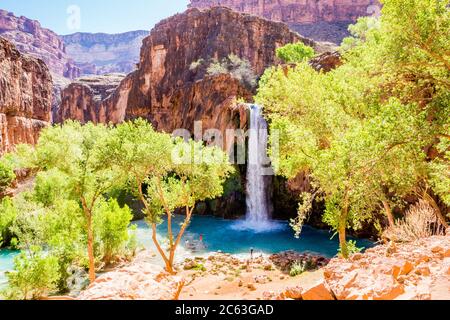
(75, 154)
(361, 131)
(295, 52)
(35, 276)
(7, 175)
(161, 183)
(198, 174)
(8, 214)
(111, 228)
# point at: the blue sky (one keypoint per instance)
(110, 16)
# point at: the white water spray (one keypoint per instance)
(259, 177)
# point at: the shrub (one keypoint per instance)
(35, 276)
(64, 236)
(8, 214)
(49, 186)
(217, 68)
(196, 64)
(111, 229)
(352, 248)
(297, 268)
(7, 175)
(295, 52)
(420, 222)
(199, 267)
(238, 68)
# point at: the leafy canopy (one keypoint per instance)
(295, 52)
(362, 130)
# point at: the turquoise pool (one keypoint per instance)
(6, 263)
(226, 236)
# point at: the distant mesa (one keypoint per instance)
(321, 20)
(31, 38)
(101, 53)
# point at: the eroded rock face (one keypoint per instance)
(322, 20)
(25, 97)
(327, 61)
(82, 99)
(102, 53)
(30, 38)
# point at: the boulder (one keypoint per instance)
(140, 280)
(317, 291)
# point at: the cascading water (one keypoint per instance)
(259, 177)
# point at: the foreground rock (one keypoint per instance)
(415, 271)
(141, 280)
(25, 97)
(227, 277)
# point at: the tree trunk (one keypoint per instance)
(343, 240)
(91, 251)
(436, 208)
(169, 266)
(343, 229)
(173, 249)
(389, 214)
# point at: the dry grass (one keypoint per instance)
(420, 222)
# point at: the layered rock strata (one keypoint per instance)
(82, 99)
(25, 97)
(171, 94)
(31, 38)
(100, 53)
(322, 20)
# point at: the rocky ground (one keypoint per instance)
(140, 280)
(415, 271)
(248, 279)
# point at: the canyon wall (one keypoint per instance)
(169, 93)
(30, 38)
(322, 20)
(82, 98)
(100, 53)
(25, 97)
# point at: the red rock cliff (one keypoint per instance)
(169, 93)
(25, 97)
(324, 20)
(30, 38)
(296, 11)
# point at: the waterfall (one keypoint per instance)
(259, 176)
(258, 199)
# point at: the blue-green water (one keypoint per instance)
(226, 236)
(229, 236)
(6, 263)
